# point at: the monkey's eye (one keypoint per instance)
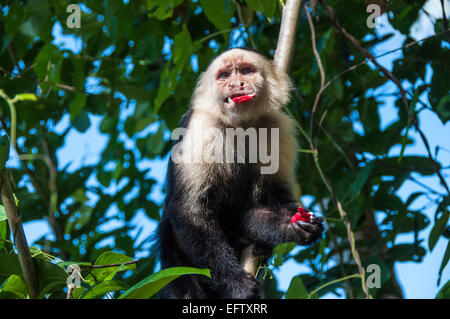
(246, 71)
(223, 75)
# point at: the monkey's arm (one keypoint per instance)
(272, 226)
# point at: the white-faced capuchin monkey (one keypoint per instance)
(215, 208)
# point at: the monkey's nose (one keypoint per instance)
(236, 84)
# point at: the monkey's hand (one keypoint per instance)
(305, 227)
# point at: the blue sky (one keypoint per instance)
(418, 280)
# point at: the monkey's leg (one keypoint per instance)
(207, 245)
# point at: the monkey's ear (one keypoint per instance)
(279, 87)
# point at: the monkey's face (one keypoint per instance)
(238, 75)
(240, 85)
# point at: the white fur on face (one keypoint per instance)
(270, 86)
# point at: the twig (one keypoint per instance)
(322, 72)
(110, 265)
(12, 110)
(333, 282)
(12, 56)
(241, 19)
(15, 224)
(53, 201)
(355, 252)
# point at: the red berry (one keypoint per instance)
(302, 215)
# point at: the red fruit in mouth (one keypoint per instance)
(242, 98)
(302, 215)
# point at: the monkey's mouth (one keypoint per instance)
(240, 98)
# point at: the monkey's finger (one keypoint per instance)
(310, 228)
(317, 220)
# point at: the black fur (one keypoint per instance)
(229, 215)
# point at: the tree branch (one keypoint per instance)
(110, 265)
(26, 262)
(286, 38)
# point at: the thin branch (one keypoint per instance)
(428, 188)
(20, 241)
(333, 282)
(110, 265)
(12, 110)
(241, 19)
(354, 251)
(12, 56)
(322, 72)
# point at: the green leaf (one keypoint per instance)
(2, 213)
(219, 12)
(162, 9)
(391, 166)
(4, 151)
(52, 287)
(77, 105)
(47, 271)
(443, 108)
(444, 261)
(267, 7)
(438, 229)
(47, 64)
(15, 284)
(405, 14)
(110, 19)
(14, 19)
(255, 5)
(82, 122)
(406, 252)
(297, 289)
(25, 97)
(2, 232)
(280, 252)
(181, 52)
(108, 258)
(444, 293)
(103, 288)
(153, 144)
(150, 285)
(361, 179)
